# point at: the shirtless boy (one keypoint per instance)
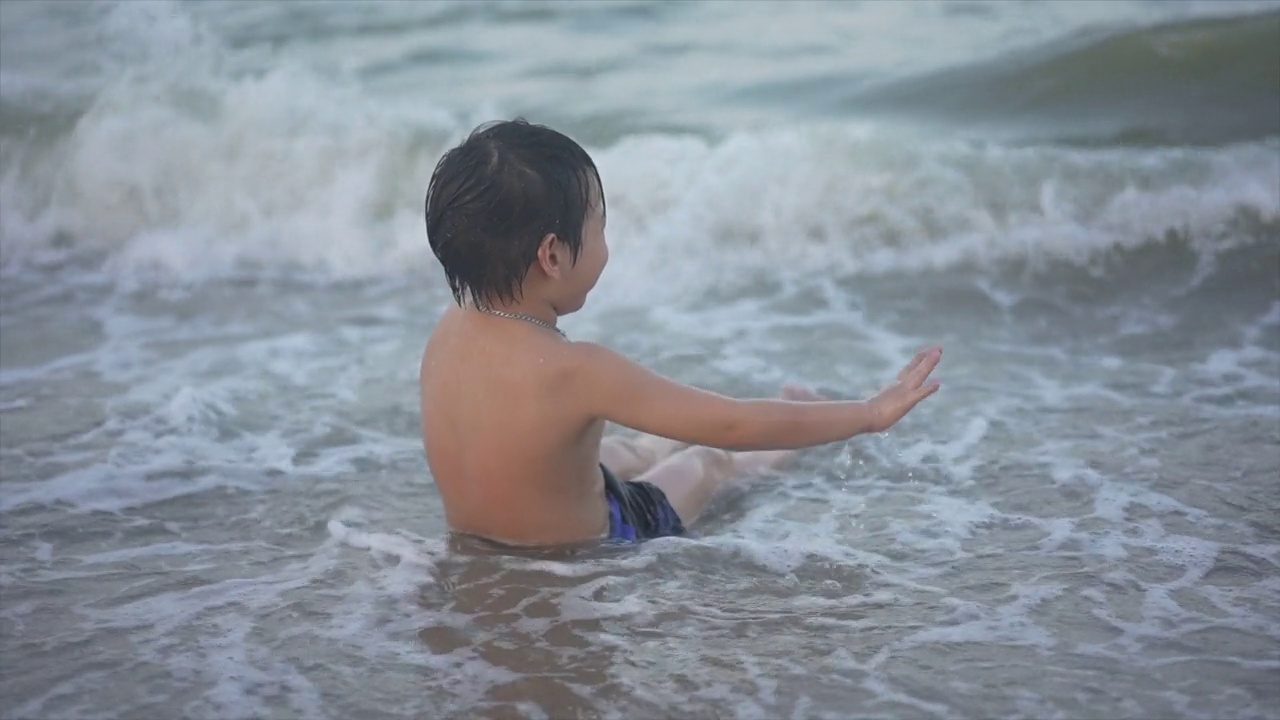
(513, 412)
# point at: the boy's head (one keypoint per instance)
(512, 195)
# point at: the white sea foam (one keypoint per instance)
(417, 552)
(204, 173)
(1006, 624)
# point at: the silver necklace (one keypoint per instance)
(526, 318)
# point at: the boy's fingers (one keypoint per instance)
(919, 358)
(915, 361)
(918, 395)
(921, 371)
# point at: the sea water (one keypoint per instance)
(215, 286)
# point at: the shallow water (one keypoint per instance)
(214, 289)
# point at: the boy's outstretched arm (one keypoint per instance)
(627, 393)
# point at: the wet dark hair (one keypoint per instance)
(493, 198)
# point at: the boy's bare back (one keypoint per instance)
(514, 455)
(513, 412)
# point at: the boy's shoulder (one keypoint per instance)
(590, 358)
(454, 343)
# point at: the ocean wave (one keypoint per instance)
(197, 168)
(259, 182)
(1205, 80)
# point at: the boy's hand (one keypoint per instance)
(892, 403)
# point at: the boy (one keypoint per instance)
(513, 412)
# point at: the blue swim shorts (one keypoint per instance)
(638, 510)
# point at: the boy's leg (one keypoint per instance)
(628, 457)
(690, 477)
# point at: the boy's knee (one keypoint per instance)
(715, 462)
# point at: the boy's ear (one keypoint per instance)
(551, 255)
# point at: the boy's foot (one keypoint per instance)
(751, 462)
(800, 393)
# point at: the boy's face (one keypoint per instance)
(594, 255)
